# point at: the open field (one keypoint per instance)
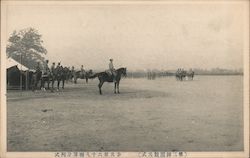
(149, 115)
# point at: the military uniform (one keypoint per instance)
(82, 72)
(53, 71)
(112, 69)
(46, 70)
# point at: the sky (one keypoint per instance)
(137, 36)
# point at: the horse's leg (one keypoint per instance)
(58, 83)
(63, 83)
(87, 79)
(115, 87)
(41, 86)
(33, 84)
(75, 78)
(52, 86)
(36, 84)
(100, 86)
(48, 81)
(118, 87)
(41, 83)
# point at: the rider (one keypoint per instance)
(73, 73)
(82, 71)
(46, 68)
(58, 65)
(53, 69)
(112, 69)
(72, 70)
(38, 73)
(59, 69)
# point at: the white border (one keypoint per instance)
(4, 5)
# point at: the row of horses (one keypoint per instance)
(37, 80)
(63, 74)
(181, 75)
(60, 75)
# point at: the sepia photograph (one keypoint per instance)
(125, 78)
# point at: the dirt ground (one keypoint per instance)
(149, 115)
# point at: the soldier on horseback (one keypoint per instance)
(73, 74)
(46, 70)
(112, 70)
(36, 77)
(58, 70)
(82, 72)
(52, 69)
(45, 75)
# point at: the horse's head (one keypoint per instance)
(123, 71)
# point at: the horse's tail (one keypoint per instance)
(94, 76)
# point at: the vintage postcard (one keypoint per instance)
(125, 79)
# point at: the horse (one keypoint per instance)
(190, 75)
(180, 75)
(36, 77)
(105, 77)
(67, 74)
(85, 75)
(46, 78)
(59, 75)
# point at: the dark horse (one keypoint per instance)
(36, 77)
(190, 75)
(59, 75)
(180, 75)
(105, 77)
(184, 74)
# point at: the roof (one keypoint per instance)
(11, 62)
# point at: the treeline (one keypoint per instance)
(218, 71)
(166, 73)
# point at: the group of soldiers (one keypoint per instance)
(180, 70)
(182, 74)
(53, 70)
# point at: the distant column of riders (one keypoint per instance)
(181, 74)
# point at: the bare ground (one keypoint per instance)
(162, 115)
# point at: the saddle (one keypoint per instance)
(109, 72)
(111, 75)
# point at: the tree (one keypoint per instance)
(26, 46)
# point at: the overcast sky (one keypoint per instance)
(162, 36)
